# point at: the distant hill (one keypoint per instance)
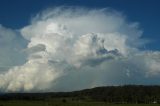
(109, 94)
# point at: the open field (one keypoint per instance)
(52, 103)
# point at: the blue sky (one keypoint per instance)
(51, 45)
(17, 13)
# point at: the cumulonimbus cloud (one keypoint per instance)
(76, 48)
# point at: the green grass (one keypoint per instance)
(58, 103)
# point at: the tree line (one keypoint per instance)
(110, 94)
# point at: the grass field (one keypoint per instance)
(51, 103)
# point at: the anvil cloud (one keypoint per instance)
(65, 49)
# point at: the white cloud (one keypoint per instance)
(84, 48)
(32, 75)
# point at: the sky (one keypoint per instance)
(17, 13)
(51, 45)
